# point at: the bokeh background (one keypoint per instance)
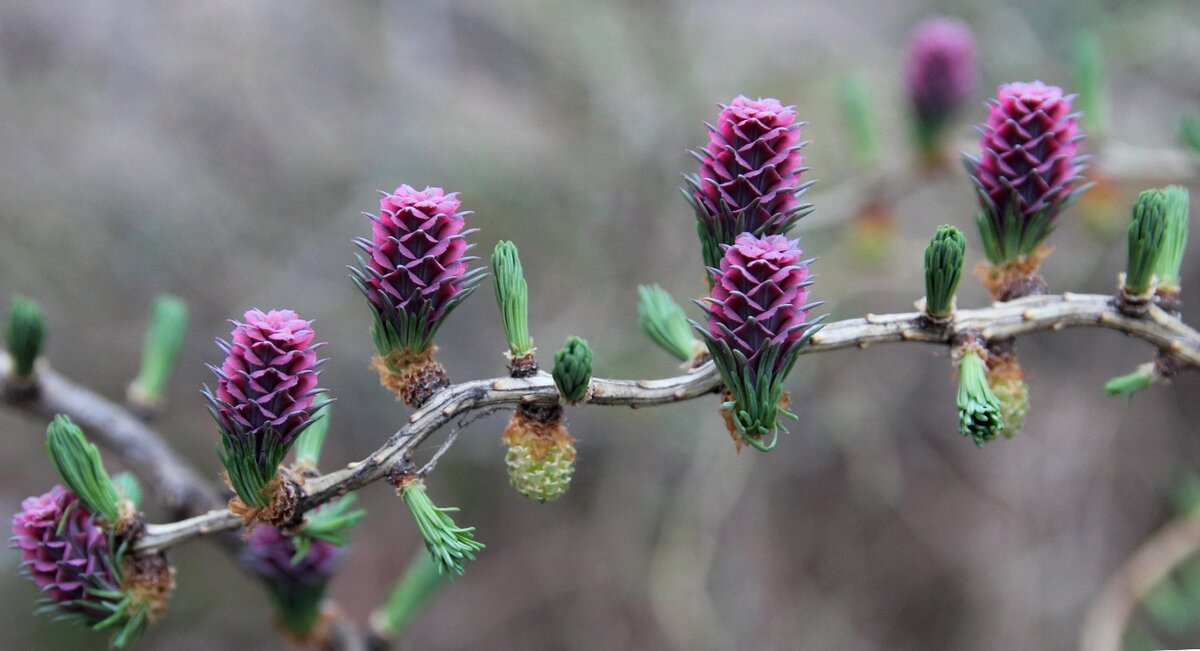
(223, 151)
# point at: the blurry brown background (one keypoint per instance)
(223, 151)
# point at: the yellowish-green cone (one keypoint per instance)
(1007, 381)
(541, 454)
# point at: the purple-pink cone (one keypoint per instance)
(416, 271)
(760, 297)
(269, 554)
(940, 72)
(1028, 169)
(65, 553)
(749, 176)
(267, 384)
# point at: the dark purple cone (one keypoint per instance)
(65, 553)
(297, 587)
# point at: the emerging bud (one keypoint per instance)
(448, 544)
(664, 322)
(296, 581)
(941, 74)
(1175, 236)
(78, 463)
(541, 453)
(416, 273)
(1146, 234)
(756, 326)
(978, 407)
(512, 295)
(80, 570)
(749, 177)
(23, 336)
(266, 396)
(943, 269)
(573, 370)
(1028, 172)
(164, 339)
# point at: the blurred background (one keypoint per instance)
(223, 151)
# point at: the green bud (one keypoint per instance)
(448, 544)
(573, 369)
(78, 463)
(978, 408)
(1174, 237)
(1091, 80)
(128, 488)
(1145, 240)
(412, 591)
(943, 269)
(664, 321)
(512, 295)
(856, 107)
(23, 335)
(164, 339)
(1189, 130)
(1127, 385)
(311, 441)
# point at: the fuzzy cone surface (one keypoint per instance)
(940, 71)
(749, 176)
(416, 270)
(66, 554)
(1028, 170)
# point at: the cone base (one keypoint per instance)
(413, 377)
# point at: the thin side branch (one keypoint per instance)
(1001, 321)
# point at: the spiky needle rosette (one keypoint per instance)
(940, 74)
(1027, 173)
(296, 581)
(266, 396)
(757, 323)
(83, 571)
(943, 269)
(416, 272)
(78, 464)
(1146, 232)
(663, 320)
(448, 544)
(749, 176)
(979, 415)
(1174, 243)
(512, 297)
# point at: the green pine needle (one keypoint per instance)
(248, 477)
(164, 339)
(128, 488)
(333, 523)
(78, 463)
(1146, 233)
(573, 369)
(512, 295)
(1175, 237)
(1127, 385)
(448, 544)
(856, 107)
(1091, 80)
(978, 408)
(411, 592)
(943, 269)
(23, 335)
(663, 320)
(311, 441)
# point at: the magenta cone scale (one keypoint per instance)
(266, 396)
(416, 271)
(941, 71)
(757, 322)
(66, 554)
(297, 586)
(1028, 170)
(749, 176)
